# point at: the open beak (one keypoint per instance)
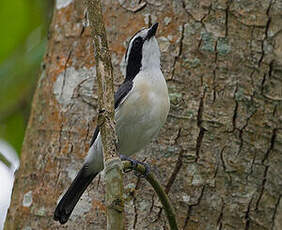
(152, 31)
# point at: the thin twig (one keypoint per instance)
(104, 74)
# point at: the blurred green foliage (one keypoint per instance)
(24, 26)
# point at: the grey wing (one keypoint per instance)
(95, 135)
(121, 93)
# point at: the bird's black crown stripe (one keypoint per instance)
(130, 42)
(134, 59)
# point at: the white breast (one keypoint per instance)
(143, 112)
(138, 118)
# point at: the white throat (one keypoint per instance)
(151, 55)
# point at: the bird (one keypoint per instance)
(141, 109)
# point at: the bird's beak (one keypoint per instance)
(152, 31)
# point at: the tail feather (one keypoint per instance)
(73, 194)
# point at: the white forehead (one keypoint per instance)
(142, 33)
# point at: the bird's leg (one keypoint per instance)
(134, 164)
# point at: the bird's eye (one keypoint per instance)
(137, 42)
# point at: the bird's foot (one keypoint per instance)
(134, 164)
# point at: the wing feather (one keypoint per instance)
(120, 95)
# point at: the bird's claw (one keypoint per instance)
(134, 164)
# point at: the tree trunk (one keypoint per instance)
(219, 154)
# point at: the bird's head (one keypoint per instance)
(143, 52)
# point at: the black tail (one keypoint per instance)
(71, 197)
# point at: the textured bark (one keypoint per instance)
(219, 154)
(158, 189)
